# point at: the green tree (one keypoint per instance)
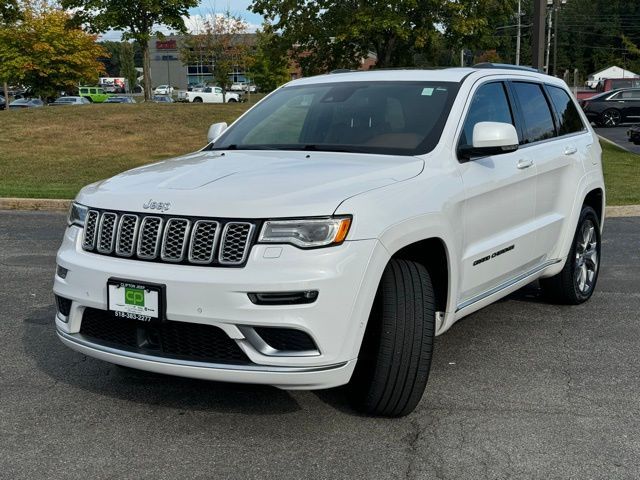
(10, 13)
(269, 65)
(46, 53)
(138, 19)
(222, 46)
(327, 34)
(127, 65)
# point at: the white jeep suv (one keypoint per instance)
(328, 234)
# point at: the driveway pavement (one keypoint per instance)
(521, 389)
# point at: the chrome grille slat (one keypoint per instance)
(90, 230)
(107, 232)
(127, 235)
(149, 238)
(174, 240)
(236, 240)
(204, 238)
(163, 238)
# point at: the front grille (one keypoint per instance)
(161, 238)
(286, 339)
(168, 339)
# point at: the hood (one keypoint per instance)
(250, 184)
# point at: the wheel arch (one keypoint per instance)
(595, 199)
(433, 254)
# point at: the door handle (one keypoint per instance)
(570, 150)
(524, 163)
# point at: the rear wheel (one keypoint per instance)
(395, 356)
(232, 100)
(197, 100)
(577, 280)
(611, 118)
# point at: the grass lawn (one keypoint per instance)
(53, 152)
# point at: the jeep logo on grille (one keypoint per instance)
(161, 206)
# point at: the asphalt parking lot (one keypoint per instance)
(521, 389)
(619, 135)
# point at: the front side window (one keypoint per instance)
(392, 117)
(489, 104)
(569, 118)
(538, 121)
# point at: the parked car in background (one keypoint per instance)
(163, 90)
(94, 94)
(198, 87)
(608, 84)
(113, 84)
(610, 109)
(26, 103)
(211, 95)
(120, 100)
(70, 101)
(162, 99)
(237, 87)
(634, 134)
(3, 103)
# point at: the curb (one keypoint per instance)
(55, 205)
(611, 142)
(34, 204)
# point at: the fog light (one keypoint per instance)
(62, 272)
(283, 298)
(64, 306)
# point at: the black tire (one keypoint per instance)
(611, 118)
(395, 356)
(197, 100)
(566, 287)
(232, 100)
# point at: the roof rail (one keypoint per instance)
(506, 66)
(341, 70)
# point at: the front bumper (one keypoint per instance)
(218, 297)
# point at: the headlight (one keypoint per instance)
(306, 233)
(77, 215)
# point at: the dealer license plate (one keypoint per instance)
(135, 301)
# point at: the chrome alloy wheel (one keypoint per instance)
(586, 257)
(611, 118)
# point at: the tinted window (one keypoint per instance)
(489, 104)
(405, 118)
(631, 94)
(568, 115)
(538, 121)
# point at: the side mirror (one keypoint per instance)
(215, 131)
(491, 138)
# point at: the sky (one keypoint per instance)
(207, 9)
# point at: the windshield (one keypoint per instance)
(402, 118)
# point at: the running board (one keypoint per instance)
(505, 285)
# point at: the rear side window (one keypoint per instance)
(568, 116)
(489, 104)
(538, 121)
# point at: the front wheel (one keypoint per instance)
(577, 280)
(611, 118)
(395, 356)
(232, 100)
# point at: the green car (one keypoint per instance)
(94, 94)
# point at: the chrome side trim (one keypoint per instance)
(506, 284)
(256, 342)
(79, 340)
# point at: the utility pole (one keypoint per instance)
(556, 9)
(546, 64)
(539, 7)
(519, 32)
(462, 57)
